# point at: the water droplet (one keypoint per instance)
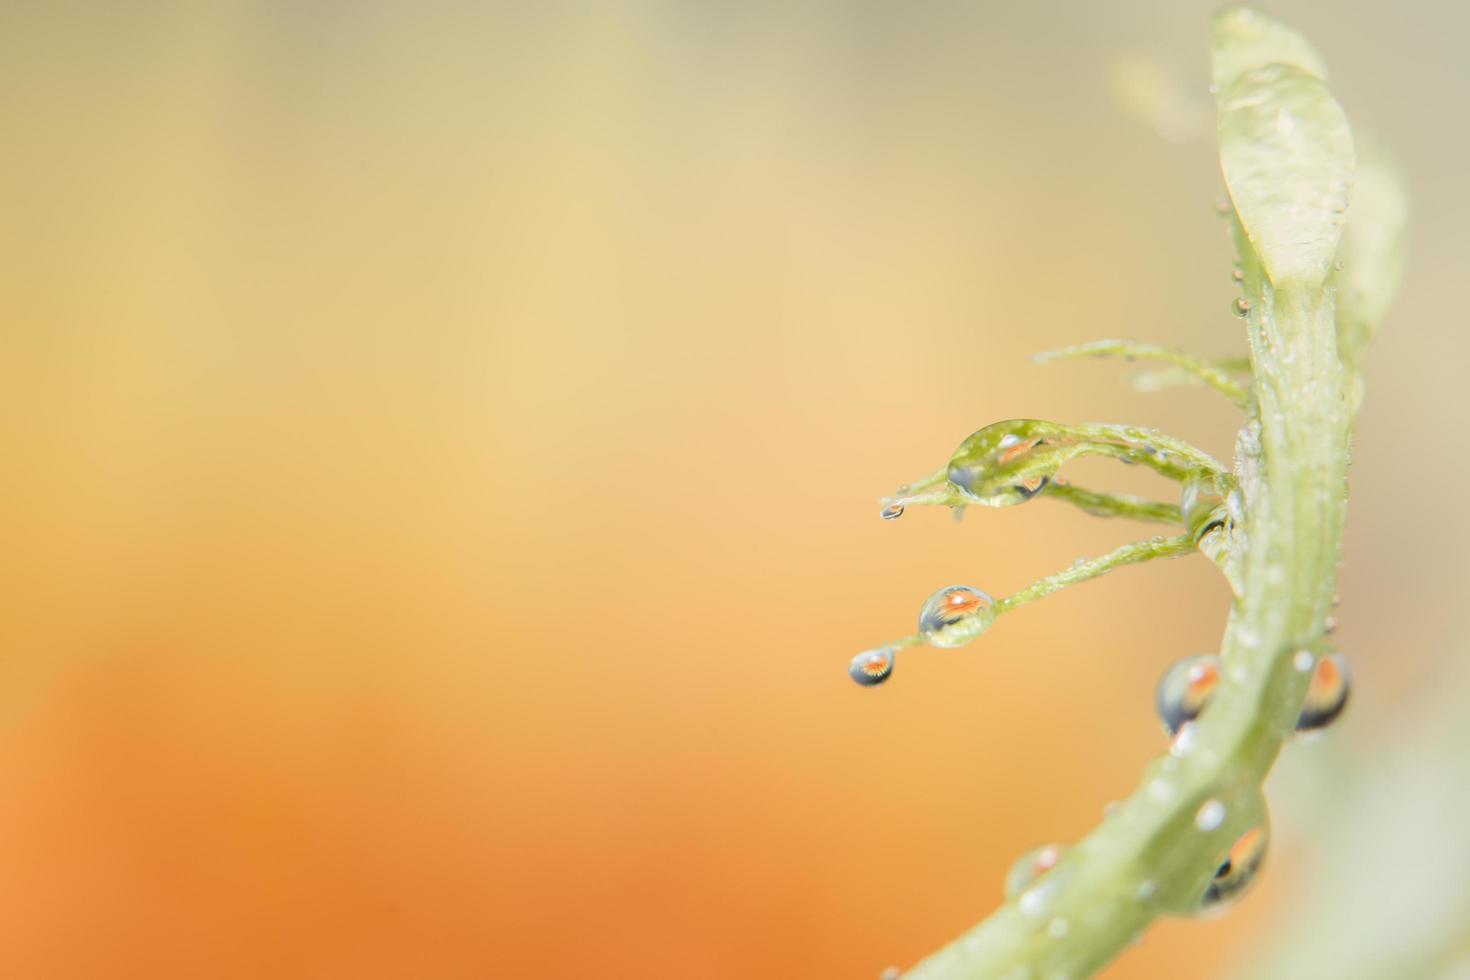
(1238, 870)
(1238, 274)
(1329, 625)
(892, 973)
(1242, 306)
(955, 615)
(1327, 694)
(1146, 890)
(1057, 928)
(872, 666)
(891, 511)
(1005, 463)
(1184, 690)
(1303, 661)
(1183, 743)
(1210, 816)
(1222, 206)
(1032, 865)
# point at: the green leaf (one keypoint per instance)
(1287, 156)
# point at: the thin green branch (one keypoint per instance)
(1211, 373)
(1088, 568)
(1101, 504)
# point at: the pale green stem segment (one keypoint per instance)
(1088, 568)
(1208, 372)
(1114, 504)
(1287, 158)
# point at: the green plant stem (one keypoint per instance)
(1149, 857)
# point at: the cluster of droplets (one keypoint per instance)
(951, 617)
(1187, 686)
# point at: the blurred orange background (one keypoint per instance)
(443, 443)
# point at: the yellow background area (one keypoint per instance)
(442, 445)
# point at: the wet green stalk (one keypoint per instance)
(1285, 163)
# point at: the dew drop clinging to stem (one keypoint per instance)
(1031, 866)
(1185, 689)
(955, 615)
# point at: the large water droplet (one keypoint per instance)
(1184, 690)
(1032, 865)
(1327, 694)
(1000, 465)
(955, 615)
(1237, 872)
(872, 666)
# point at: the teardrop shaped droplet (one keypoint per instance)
(1237, 872)
(1327, 694)
(1005, 463)
(955, 615)
(1185, 689)
(872, 666)
(1032, 865)
(892, 511)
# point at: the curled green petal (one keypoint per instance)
(1287, 156)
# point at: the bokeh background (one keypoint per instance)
(441, 445)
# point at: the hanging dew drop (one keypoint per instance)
(955, 615)
(1327, 694)
(1031, 866)
(891, 512)
(1237, 872)
(1185, 689)
(872, 667)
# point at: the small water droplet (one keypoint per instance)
(1222, 206)
(1303, 661)
(1242, 306)
(1237, 872)
(1238, 274)
(1327, 694)
(1329, 625)
(1146, 890)
(891, 512)
(1031, 866)
(1183, 743)
(1185, 689)
(1057, 928)
(872, 666)
(955, 615)
(1210, 816)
